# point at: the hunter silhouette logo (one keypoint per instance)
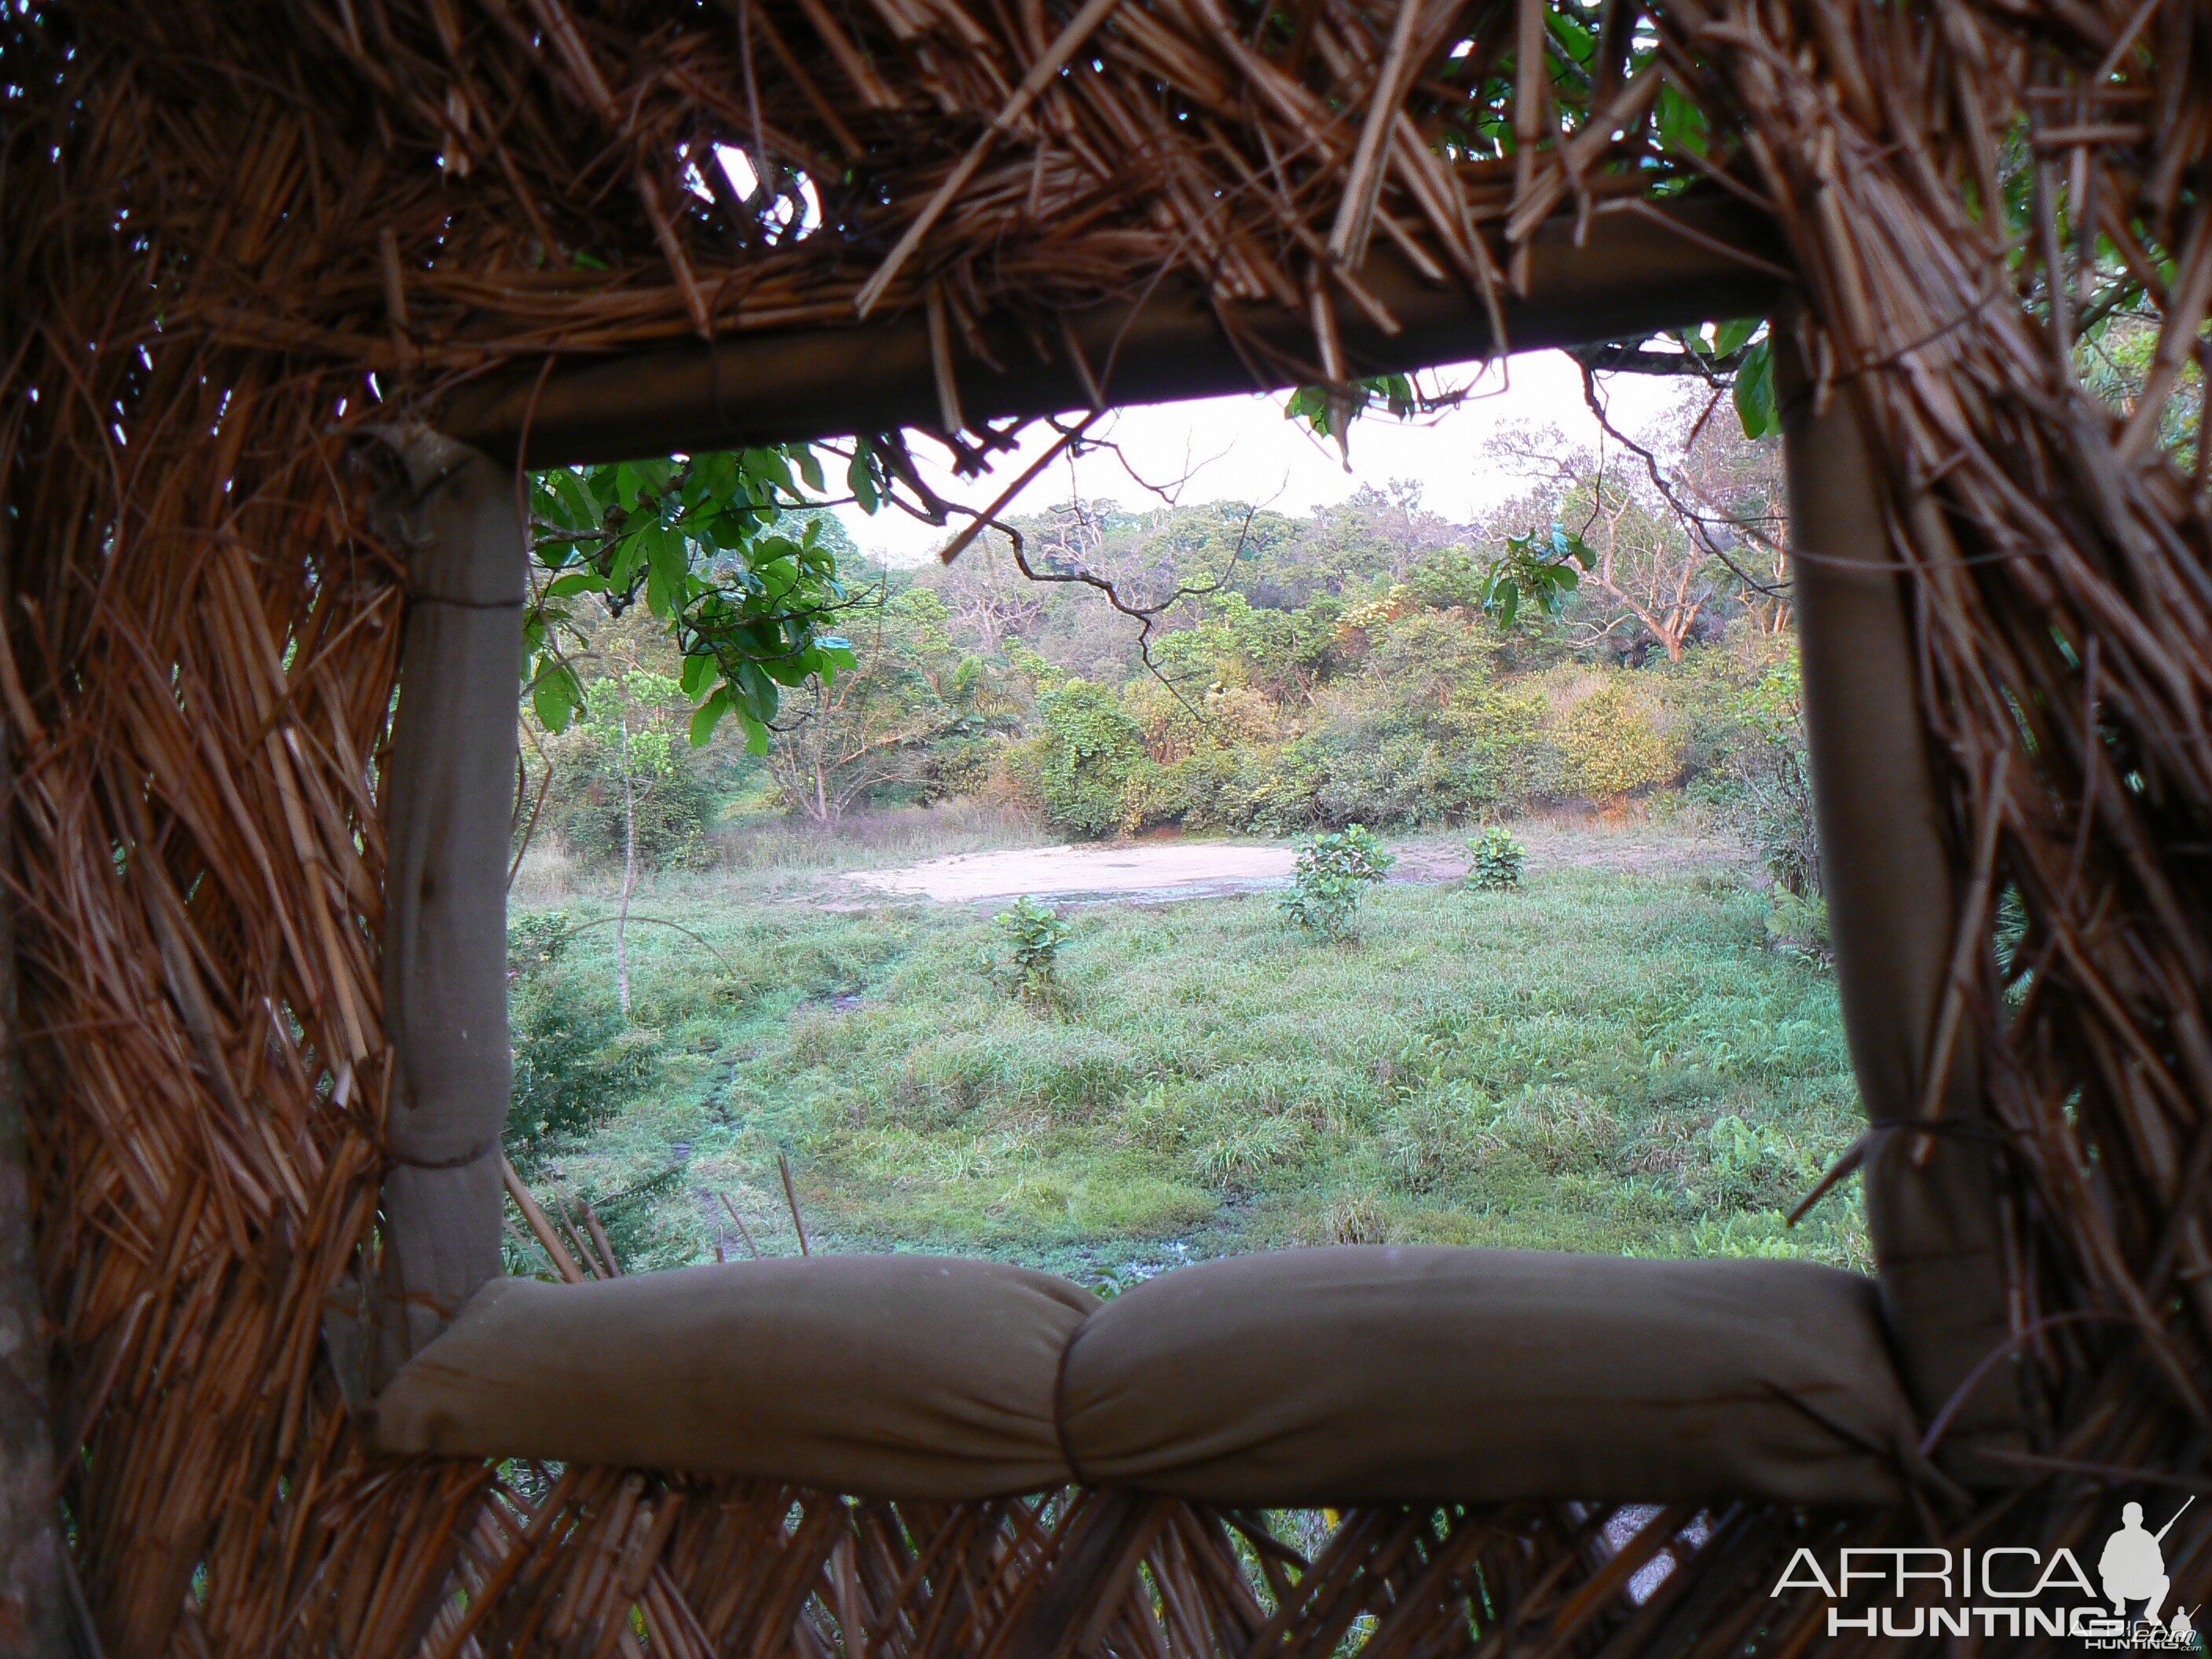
(2133, 1565)
(2133, 1569)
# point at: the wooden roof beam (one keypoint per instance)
(1639, 269)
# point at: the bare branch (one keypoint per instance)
(1695, 524)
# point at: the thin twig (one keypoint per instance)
(791, 1197)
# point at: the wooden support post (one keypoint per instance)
(1886, 865)
(448, 808)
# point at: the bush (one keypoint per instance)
(1771, 799)
(1236, 1160)
(1497, 859)
(1434, 1134)
(585, 810)
(1391, 769)
(1613, 745)
(536, 940)
(1797, 926)
(636, 1219)
(1516, 760)
(1036, 932)
(964, 766)
(1333, 871)
(1087, 753)
(577, 1062)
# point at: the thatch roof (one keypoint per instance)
(220, 223)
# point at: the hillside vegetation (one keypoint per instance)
(1371, 664)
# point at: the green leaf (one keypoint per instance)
(554, 696)
(716, 475)
(744, 610)
(708, 715)
(1573, 36)
(1728, 337)
(1754, 391)
(666, 555)
(628, 563)
(769, 466)
(1309, 404)
(860, 476)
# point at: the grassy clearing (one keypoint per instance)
(1603, 1060)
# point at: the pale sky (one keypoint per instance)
(1241, 449)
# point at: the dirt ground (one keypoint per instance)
(1174, 869)
(1178, 869)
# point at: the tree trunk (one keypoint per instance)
(628, 886)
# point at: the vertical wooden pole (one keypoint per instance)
(31, 1564)
(448, 807)
(1886, 865)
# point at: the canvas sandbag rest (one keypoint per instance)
(907, 1377)
(1367, 1373)
(1381, 1374)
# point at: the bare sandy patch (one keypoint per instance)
(1163, 870)
(1172, 870)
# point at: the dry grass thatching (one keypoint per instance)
(218, 221)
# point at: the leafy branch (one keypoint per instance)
(1538, 568)
(699, 540)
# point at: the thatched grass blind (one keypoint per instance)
(220, 223)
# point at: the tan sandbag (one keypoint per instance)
(1380, 1374)
(883, 1376)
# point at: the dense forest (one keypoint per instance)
(1617, 628)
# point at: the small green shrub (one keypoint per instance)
(1237, 1158)
(1747, 1165)
(1333, 871)
(1034, 934)
(635, 1217)
(1797, 924)
(583, 810)
(1356, 1218)
(1497, 861)
(1435, 1134)
(536, 940)
(1773, 777)
(577, 1064)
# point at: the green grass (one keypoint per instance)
(1601, 1061)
